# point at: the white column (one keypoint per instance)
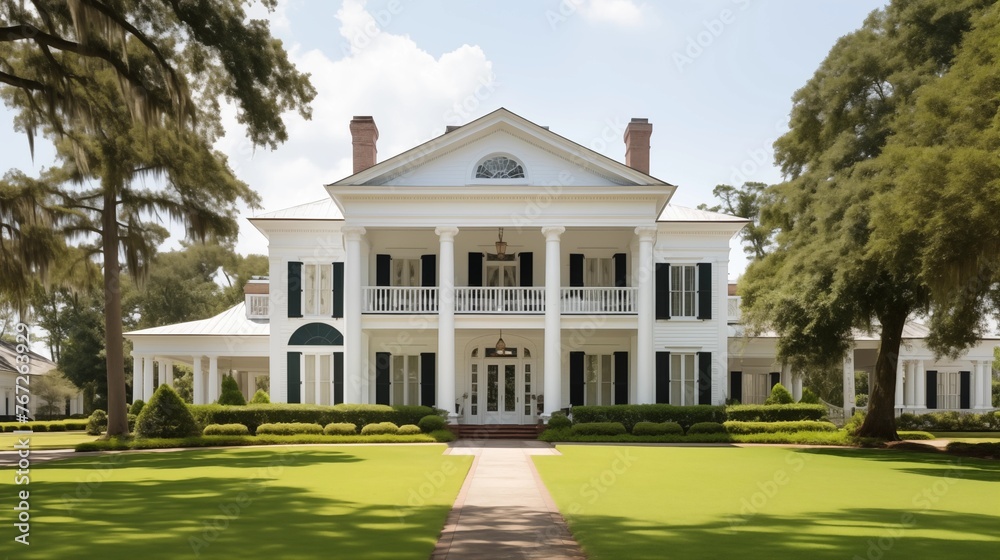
(988, 384)
(137, 374)
(797, 387)
(644, 336)
(977, 400)
(911, 384)
(167, 372)
(849, 382)
(352, 314)
(899, 383)
(921, 385)
(446, 321)
(552, 370)
(198, 381)
(213, 379)
(147, 378)
(786, 376)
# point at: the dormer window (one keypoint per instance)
(499, 167)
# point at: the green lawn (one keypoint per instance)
(298, 502)
(969, 437)
(774, 503)
(46, 440)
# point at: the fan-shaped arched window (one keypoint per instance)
(499, 167)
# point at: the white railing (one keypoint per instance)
(605, 301)
(499, 300)
(734, 309)
(257, 305)
(384, 299)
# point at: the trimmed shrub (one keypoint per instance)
(253, 415)
(949, 421)
(131, 419)
(231, 394)
(38, 427)
(166, 416)
(226, 430)
(657, 429)
(631, 414)
(380, 428)
(72, 425)
(599, 429)
(808, 397)
(57, 427)
(260, 397)
(136, 407)
(289, 429)
(707, 428)
(340, 429)
(97, 423)
(852, 425)
(775, 412)
(431, 423)
(779, 395)
(738, 427)
(408, 430)
(443, 436)
(985, 450)
(558, 421)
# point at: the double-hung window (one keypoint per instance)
(317, 289)
(683, 290)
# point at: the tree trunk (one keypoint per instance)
(880, 422)
(117, 418)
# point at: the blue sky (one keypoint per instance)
(714, 77)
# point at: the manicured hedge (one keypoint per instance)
(558, 421)
(289, 429)
(431, 423)
(340, 429)
(220, 441)
(408, 430)
(253, 415)
(631, 414)
(775, 412)
(738, 427)
(707, 428)
(657, 429)
(950, 421)
(599, 429)
(226, 430)
(380, 428)
(985, 450)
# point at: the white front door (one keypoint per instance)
(502, 396)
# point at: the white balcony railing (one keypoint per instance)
(257, 305)
(499, 300)
(384, 299)
(733, 305)
(604, 301)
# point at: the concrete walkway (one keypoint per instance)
(503, 509)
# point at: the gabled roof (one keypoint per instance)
(9, 350)
(320, 210)
(674, 213)
(231, 322)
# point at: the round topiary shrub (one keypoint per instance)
(431, 423)
(226, 430)
(657, 429)
(599, 429)
(37, 427)
(809, 397)
(559, 421)
(706, 428)
(231, 394)
(56, 427)
(340, 429)
(381, 428)
(260, 397)
(408, 430)
(136, 407)
(779, 395)
(289, 429)
(97, 423)
(166, 416)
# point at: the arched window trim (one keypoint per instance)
(499, 167)
(316, 334)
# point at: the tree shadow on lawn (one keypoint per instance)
(900, 534)
(203, 458)
(939, 465)
(245, 516)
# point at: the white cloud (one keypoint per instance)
(624, 13)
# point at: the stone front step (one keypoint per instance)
(496, 431)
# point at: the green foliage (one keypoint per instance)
(380, 428)
(985, 450)
(431, 423)
(253, 415)
(166, 416)
(861, 399)
(779, 395)
(57, 427)
(861, 382)
(340, 429)
(97, 423)
(949, 421)
(230, 441)
(226, 430)
(746, 202)
(79, 324)
(184, 383)
(737, 427)
(49, 426)
(808, 397)
(231, 394)
(558, 421)
(260, 397)
(40, 427)
(630, 414)
(131, 419)
(776, 412)
(996, 394)
(707, 428)
(289, 429)
(599, 429)
(657, 429)
(855, 422)
(408, 429)
(50, 392)
(443, 436)
(136, 407)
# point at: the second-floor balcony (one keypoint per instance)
(500, 300)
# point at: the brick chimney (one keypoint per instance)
(637, 135)
(364, 133)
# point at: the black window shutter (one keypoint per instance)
(704, 290)
(338, 377)
(428, 270)
(527, 269)
(931, 389)
(965, 389)
(775, 378)
(621, 270)
(621, 377)
(736, 385)
(475, 269)
(704, 378)
(428, 376)
(294, 289)
(294, 378)
(383, 360)
(576, 270)
(662, 290)
(663, 377)
(383, 270)
(338, 290)
(575, 378)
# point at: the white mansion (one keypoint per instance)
(503, 272)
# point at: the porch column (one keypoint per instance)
(988, 384)
(446, 321)
(899, 383)
(352, 314)
(911, 383)
(137, 373)
(198, 381)
(552, 370)
(979, 397)
(645, 393)
(786, 376)
(147, 378)
(167, 372)
(797, 387)
(849, 383)
(921, 389)
(213, 379)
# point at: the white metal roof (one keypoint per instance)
(673, 213)
(320, 210)
(231, 322)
